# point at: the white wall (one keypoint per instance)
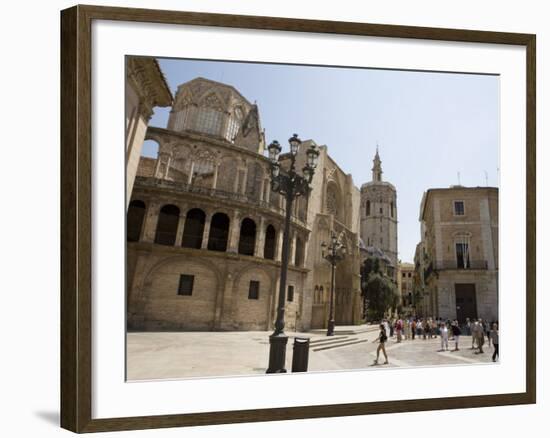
(29, 322)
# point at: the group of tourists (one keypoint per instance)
(446, 330)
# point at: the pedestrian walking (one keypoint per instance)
(480, 336)
(494, 338)
(382, 338)
(456, 334)
(444, 334)
(387, 328)
(399, 329)
(413, 329)
(473, 332)
(407, 329)
(428, 328)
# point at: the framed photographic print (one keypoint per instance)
(271, 218)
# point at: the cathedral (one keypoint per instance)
(204, 228)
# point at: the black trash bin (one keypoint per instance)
(300, 355)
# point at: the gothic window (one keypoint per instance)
(331, 202)
(234, 124)
(209, 121)
(203, 164)
(391, 208)
(381, 210)
(368, 208)
(179, 119)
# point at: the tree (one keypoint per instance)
(378, 291)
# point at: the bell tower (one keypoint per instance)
(379, 212)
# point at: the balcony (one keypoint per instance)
(452, 265)
(181, 187)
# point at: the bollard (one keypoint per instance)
(300, 355)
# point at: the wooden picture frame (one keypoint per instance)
(76, 218)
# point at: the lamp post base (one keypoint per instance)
(277, 353)
(330, 328)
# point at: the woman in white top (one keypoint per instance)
(444, 333)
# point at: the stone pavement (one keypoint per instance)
(171, 355)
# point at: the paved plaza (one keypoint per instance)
(172, 355)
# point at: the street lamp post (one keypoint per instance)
(333, 253)
(289, 184)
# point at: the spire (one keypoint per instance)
(377, 167)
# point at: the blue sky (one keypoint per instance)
(429, 126)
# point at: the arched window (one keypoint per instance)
(167, 225)
(247, 238)
(391, 208)
(299, 254)
(270, 240)
(368, 208)
(134, 220)
(209, 121)
(219, 232)
(194, 228)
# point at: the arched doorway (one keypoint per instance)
(134, 220)
(167, 225)
(247, 238)
(194, 228)
(219, 232)
(270, 241)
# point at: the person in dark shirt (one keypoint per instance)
(456, 333)
(382, 338)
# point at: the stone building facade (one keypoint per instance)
(458, 254)
(379, 214)
(146, 88)
(405, 285)
(204, 229)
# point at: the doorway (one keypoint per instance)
(466, 305)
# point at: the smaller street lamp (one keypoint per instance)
(333, 253)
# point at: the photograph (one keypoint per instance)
(288, 218)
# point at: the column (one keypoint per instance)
(438, 234)
(262, 190)
(486, 233)
(306, 251)
(260, 239)
(150, 222)
(245, 182)
(206, 231)
(234, 233)
(181, 227)
(191, 170)
(268, 190)
(215, 179)
(279, 248)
